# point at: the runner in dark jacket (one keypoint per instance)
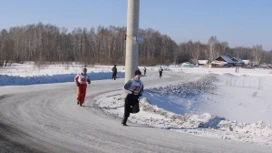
(134, 89)
(160, 71)
(114, 72)
(144, 71)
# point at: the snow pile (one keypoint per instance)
(231, 70)
(30, 69)
(181, 108)
(44, 79)
(29, 74)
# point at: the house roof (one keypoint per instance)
(234, 59)
(237, 60)
(225, 58)
(193, 61)
(241, 61)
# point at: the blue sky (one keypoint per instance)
(239, 22)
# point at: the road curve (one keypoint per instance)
(46, 118)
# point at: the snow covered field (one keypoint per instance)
(207, 102)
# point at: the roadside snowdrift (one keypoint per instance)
(194, 107)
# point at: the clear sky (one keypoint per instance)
(239, 22)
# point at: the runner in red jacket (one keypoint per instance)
(81, 81)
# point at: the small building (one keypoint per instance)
(223, 61)
(247, 62)
(203, 62)
(194, 62)
(255, 63)
(238, 61)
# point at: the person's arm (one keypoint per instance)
(88, 80)
(127, 87)
(76, 80)
(142, 90)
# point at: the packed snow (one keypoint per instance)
(214, 102)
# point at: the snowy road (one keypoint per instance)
(45, 118)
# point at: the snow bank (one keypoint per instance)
(29, 74)
(188, 108)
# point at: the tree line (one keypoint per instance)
(106, 45)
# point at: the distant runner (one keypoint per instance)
(160, 71)
(144, 71)
(114, 72)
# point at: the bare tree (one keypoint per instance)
(257, 53)
(106, 45)
(212, 43)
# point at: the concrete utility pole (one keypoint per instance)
(131, 44)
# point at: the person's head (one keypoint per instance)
(84, 70)
(114, 65)
(138, 74)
